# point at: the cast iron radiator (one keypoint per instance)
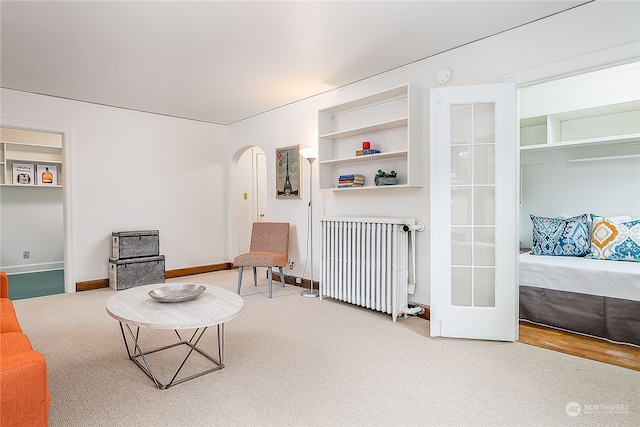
(368, 261)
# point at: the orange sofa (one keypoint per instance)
(24, 391)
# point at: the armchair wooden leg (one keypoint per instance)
(255, 276)
(269, 275)
(281, 276)
(239, 279)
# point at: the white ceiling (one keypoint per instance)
(224, 61)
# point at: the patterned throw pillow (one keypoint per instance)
(617, 242)
(560, 237)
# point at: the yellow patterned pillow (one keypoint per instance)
(617, 242)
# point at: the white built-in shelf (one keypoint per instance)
(31, 186)
(368, 129)
(390, 120)
(587, 142)
(367, 158)
(610, 130)
(373, 187)
(596, 114)
(32, 148)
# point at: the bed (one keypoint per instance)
(595, 297)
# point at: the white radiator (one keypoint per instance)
(368, 261)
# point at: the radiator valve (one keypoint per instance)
(418, 227)
(413, 311)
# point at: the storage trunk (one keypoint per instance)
(128, 273)
(132, 244)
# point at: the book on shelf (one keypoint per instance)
(366, 152)
(370, 151)
(47, 175)
(351, 181)
(350, 176)
(350, 185)
(23, 173)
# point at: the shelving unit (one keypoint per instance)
(586, 116)
(611, 129)
(391, 121)
(32, 148)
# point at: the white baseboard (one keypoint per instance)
(33, 268)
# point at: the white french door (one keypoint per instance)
(474, 210)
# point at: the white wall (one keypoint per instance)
(31, 219)
(591, 28)
(135, 171)
(604, 188)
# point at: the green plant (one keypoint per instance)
(383, 174)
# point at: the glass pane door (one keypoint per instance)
(474, 211)
(473, 205)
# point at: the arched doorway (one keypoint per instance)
(249, 195)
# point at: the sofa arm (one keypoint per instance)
(24, 391)
(4, 285)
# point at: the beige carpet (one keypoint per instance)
(293, 361)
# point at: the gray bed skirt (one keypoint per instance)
(612, 318)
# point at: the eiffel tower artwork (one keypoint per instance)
(286, 189)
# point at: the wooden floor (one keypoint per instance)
(578, 345)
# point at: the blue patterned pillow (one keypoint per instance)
(616, 242)
(560, 237)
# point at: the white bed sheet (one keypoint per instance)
(616, 279)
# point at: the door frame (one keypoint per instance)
(259, 176)
(66, 132)
(593, 61)
(234, 170)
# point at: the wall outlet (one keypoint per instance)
(25, 254)
(298, 280)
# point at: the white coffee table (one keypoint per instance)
(134, 307)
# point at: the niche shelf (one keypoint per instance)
(390, 120)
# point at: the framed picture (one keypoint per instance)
(23, 174)
(47, 175)
(288, 173)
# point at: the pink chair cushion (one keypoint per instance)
(260, 259)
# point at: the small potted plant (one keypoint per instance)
(384, 178)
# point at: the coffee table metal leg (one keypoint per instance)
(138, 353)
(221, 344)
